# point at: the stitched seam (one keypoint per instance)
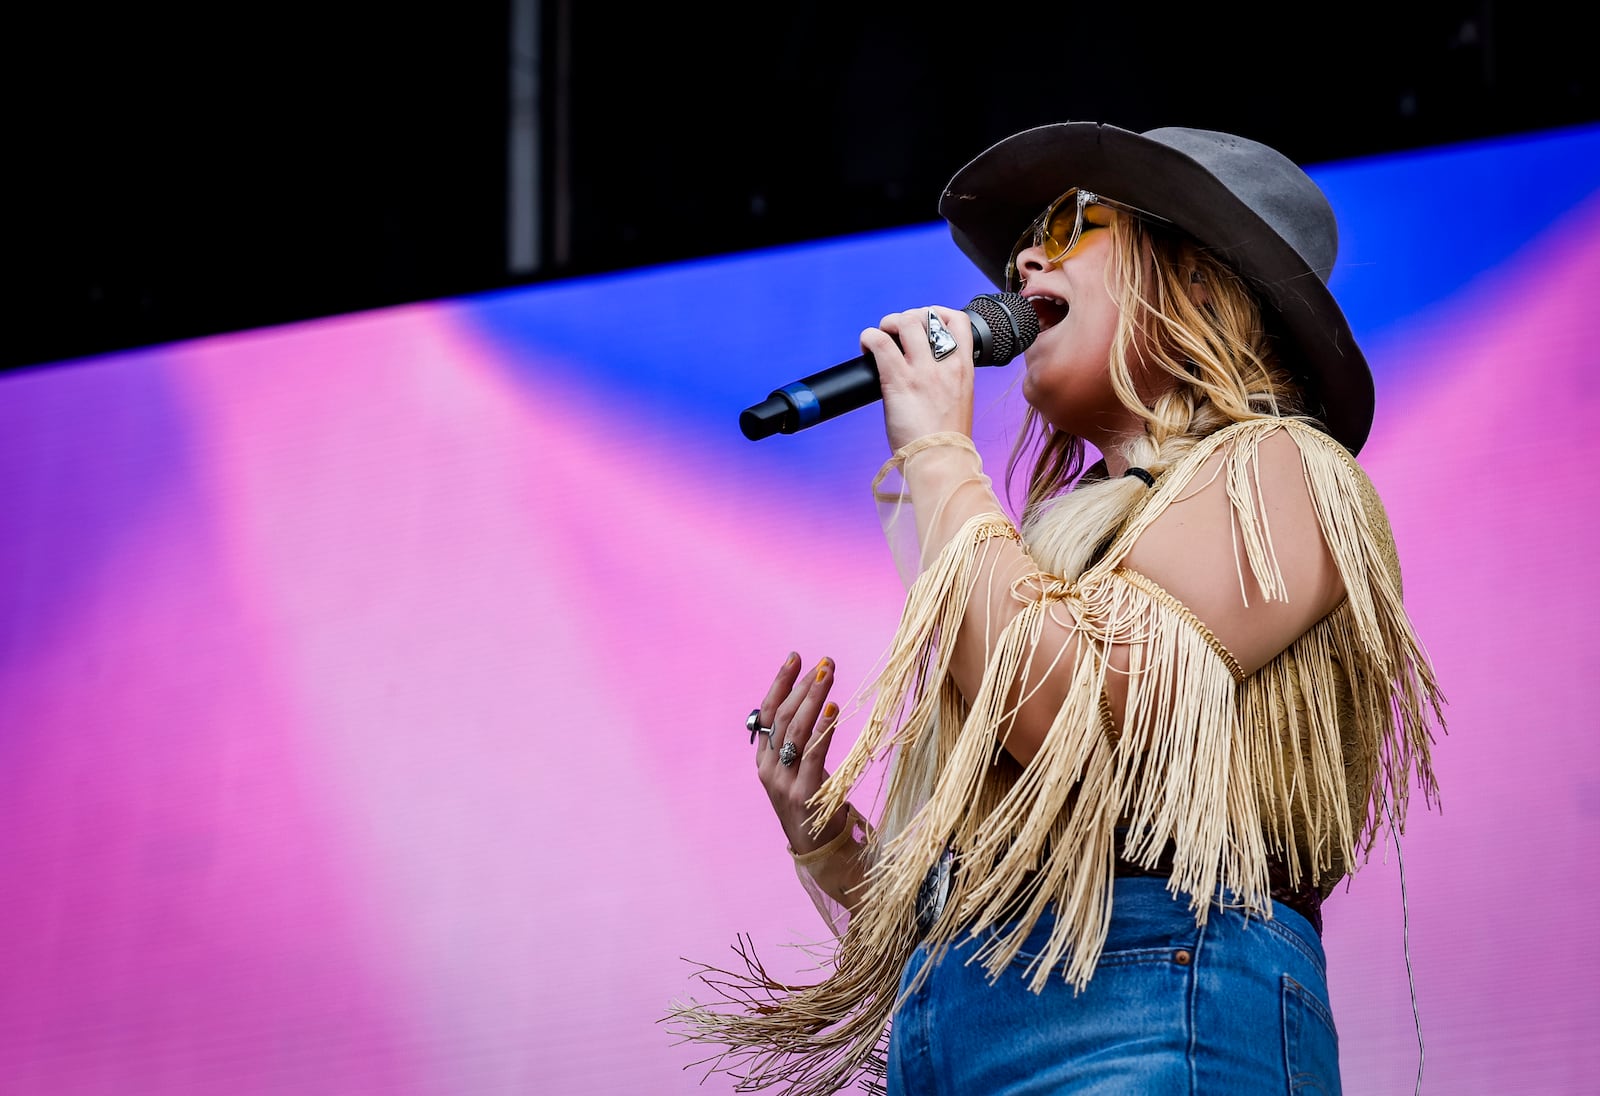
(1193, 1005)
(996, 527)
(1309, 999)
(1134, 578)
(1292, 938)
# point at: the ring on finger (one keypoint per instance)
(789, 754)
(752, 724)
(940, 341)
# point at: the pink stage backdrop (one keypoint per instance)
(372, 690)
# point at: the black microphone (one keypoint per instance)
(1003, 326)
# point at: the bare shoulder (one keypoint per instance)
(1237, 508)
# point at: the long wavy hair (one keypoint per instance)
(1223, 362)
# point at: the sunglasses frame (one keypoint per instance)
(1036, 234)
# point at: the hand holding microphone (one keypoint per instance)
(1003, 325)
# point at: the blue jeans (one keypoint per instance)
(1236, 1008)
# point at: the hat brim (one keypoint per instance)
(991, 201)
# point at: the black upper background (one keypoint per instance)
(189, 172)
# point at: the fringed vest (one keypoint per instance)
(1302, 762)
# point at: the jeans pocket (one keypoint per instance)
(1310, 1044)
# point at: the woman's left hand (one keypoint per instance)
(789, 713)
(921, 395)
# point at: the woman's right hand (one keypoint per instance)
(797, 710)
(922, 395)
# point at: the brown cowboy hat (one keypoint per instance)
(1251, 205)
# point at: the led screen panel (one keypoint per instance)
(373, 688)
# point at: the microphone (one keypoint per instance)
(1003, 326)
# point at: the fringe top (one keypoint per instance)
(1303, 760)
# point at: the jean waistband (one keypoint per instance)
(1305, 898)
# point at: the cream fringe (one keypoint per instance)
(1302, 760)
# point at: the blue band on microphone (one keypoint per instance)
(805, 403)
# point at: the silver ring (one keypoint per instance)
(752, 724)
(940, 341)
(789, 754)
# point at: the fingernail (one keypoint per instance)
(822, 669)
(829, 710)
(789, 661)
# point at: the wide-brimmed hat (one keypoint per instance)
(1249, 204)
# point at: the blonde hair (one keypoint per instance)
(1219, 356)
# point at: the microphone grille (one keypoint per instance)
(1011, 320)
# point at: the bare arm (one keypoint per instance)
(1194, 551)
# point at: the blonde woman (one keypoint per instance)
(1136, 735)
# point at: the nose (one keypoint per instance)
(1029, 261)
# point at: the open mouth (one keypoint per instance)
(1049, 310)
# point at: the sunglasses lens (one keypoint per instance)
(1061, 228)
(1055, 233)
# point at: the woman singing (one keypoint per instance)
(1136, 734)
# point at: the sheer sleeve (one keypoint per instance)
(836, 869)
(908, 528)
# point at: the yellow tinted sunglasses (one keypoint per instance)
(1059, 229)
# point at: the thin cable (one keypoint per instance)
(1405, 937)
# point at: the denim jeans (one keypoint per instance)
(1236, 1008)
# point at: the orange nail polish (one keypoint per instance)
(829, 710)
